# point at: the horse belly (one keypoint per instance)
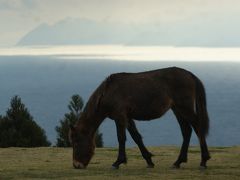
(152, 110)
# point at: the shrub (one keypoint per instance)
(18, 128)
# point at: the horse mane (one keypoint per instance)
(94, 101)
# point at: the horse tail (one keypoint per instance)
(201, 108)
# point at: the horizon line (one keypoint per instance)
(126, 52)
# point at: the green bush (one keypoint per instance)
(18, 129)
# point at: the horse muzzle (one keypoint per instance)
(78, 165)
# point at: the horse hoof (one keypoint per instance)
(115, 167)
(203, 167)
(150, 166)
(174, 166)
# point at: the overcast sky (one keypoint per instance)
(18, 17)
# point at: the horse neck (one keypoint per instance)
(90, 122)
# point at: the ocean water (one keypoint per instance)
(46, 83)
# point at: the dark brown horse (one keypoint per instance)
(125, 97)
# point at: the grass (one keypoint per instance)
(55, 163)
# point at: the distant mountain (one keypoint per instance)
(191, 32)
(78, 31)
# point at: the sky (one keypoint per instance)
(18, 17)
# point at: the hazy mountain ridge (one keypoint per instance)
(191, 32)
(78, 31)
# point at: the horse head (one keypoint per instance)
(83, 146)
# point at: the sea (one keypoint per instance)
(46, 82)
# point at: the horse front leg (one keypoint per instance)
(121, 134)
(138, 140)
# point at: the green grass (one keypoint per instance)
(56, 163)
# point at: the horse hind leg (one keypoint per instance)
(205, 156)
(189, 115)
(138, 140)
(186, 130)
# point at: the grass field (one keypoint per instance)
(55, 163)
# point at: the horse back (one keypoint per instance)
(147, 95)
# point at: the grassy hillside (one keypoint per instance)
(44, 163)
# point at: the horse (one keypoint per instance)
(125, 97)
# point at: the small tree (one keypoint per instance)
(18, 129)
(75, 107)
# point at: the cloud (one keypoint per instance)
(24, 15)
(123, 11)
(29, 3)
(17, 5)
